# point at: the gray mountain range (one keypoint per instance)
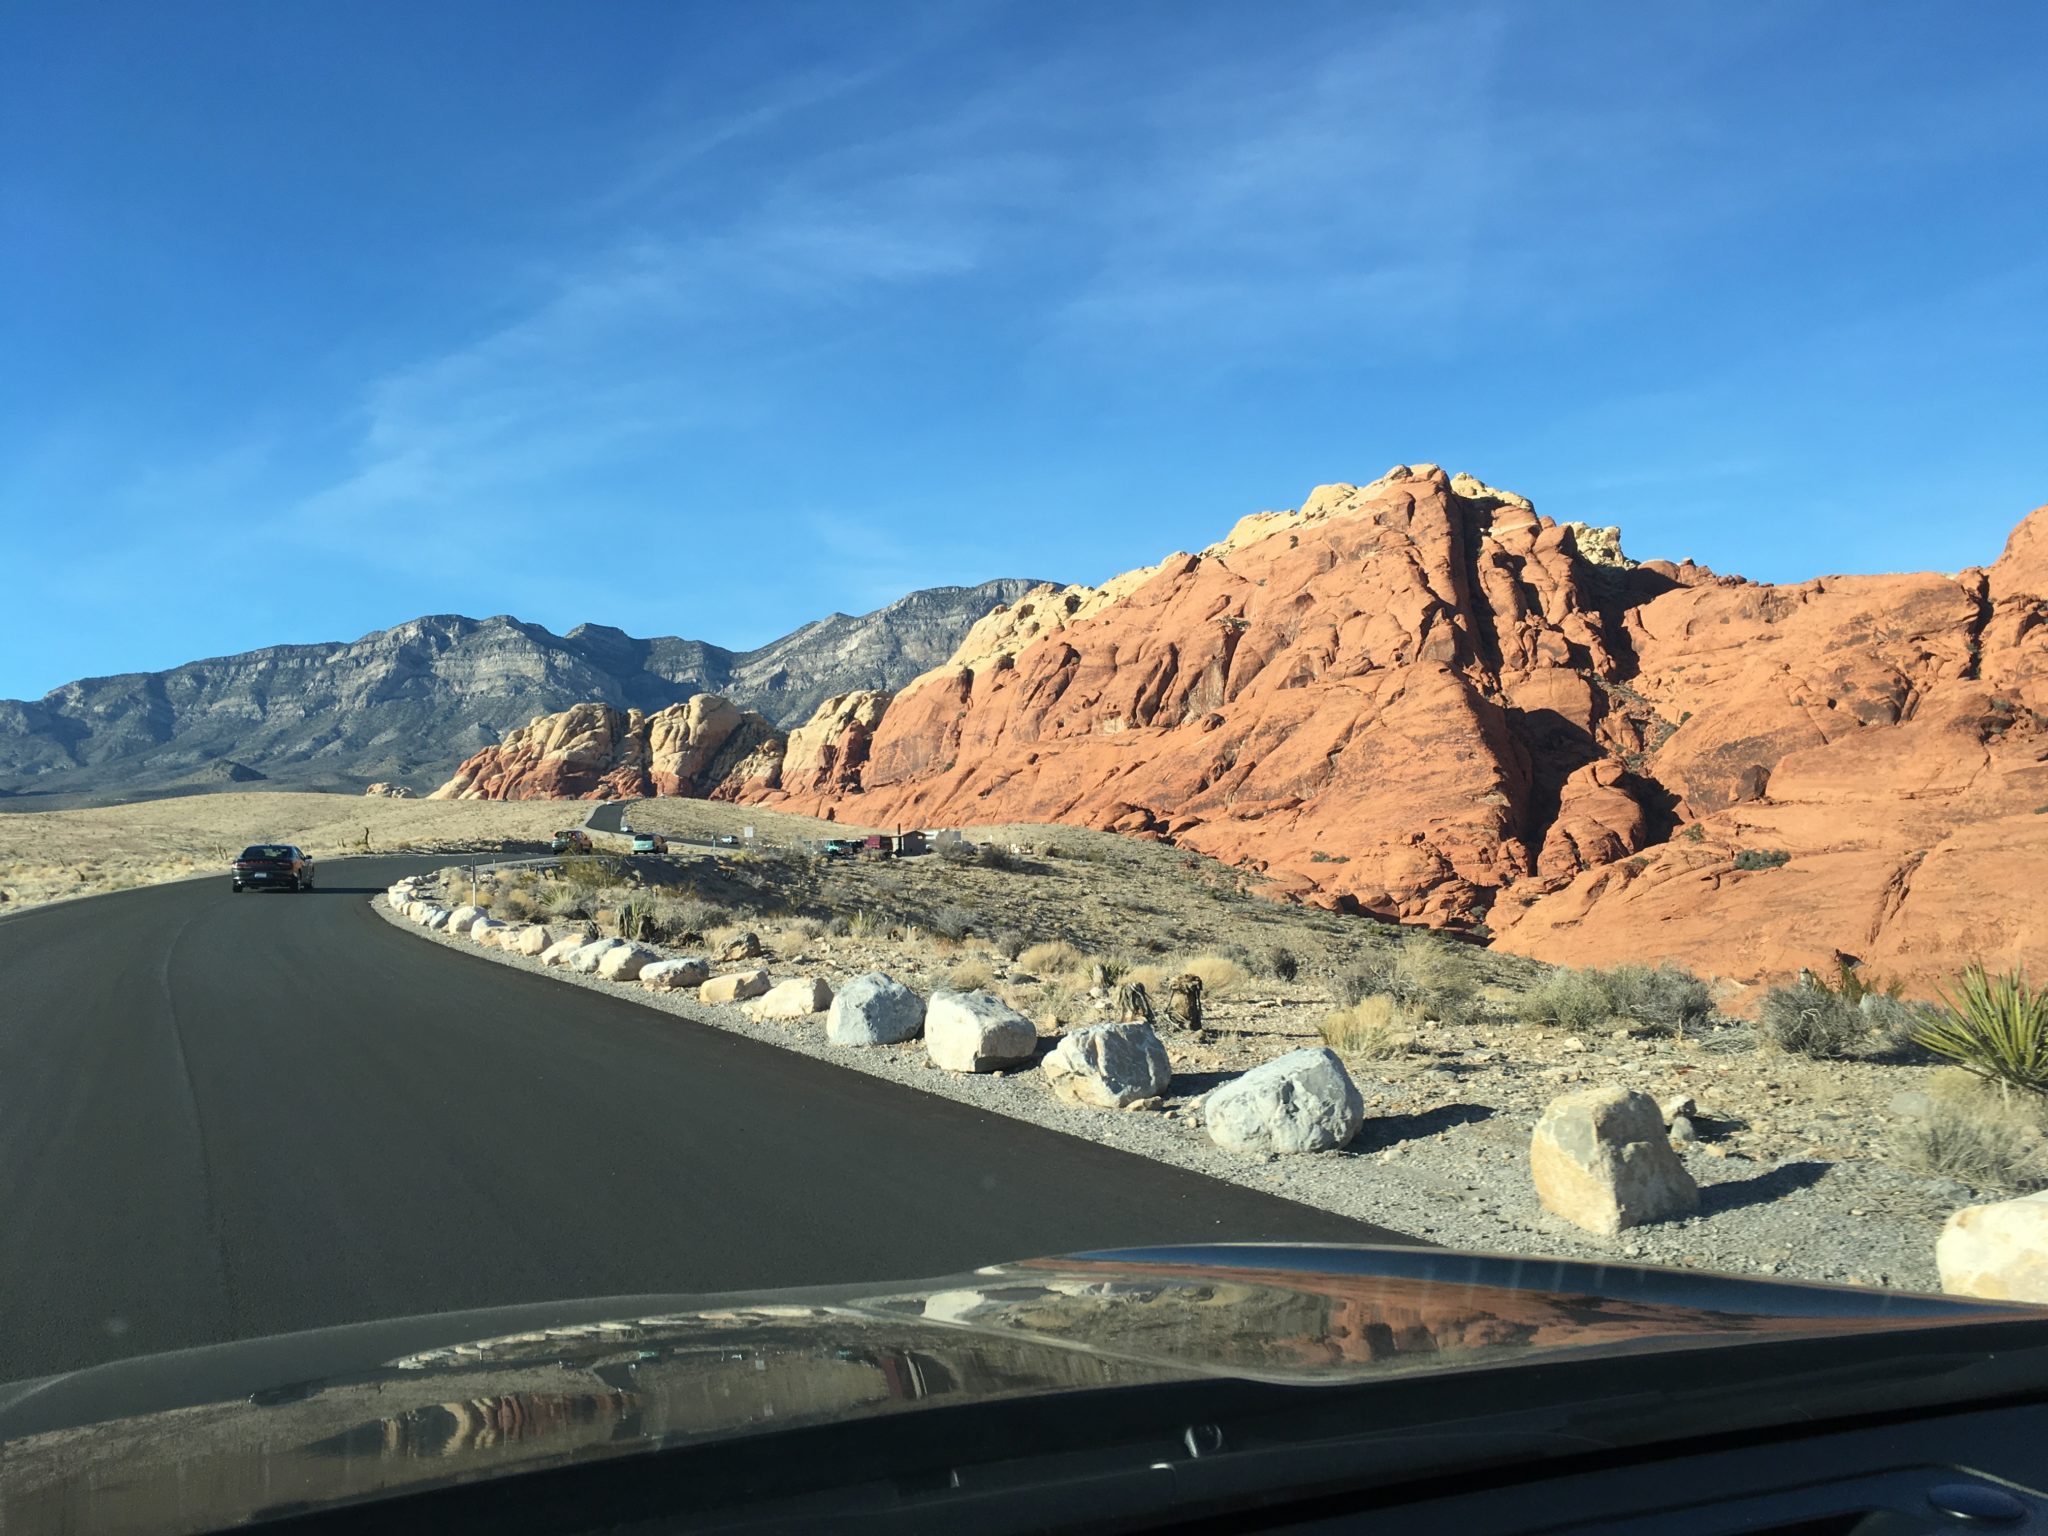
(407, 704)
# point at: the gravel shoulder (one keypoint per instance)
(1443, 1154)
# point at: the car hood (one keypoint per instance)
(219, 1435)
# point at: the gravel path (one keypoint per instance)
(1434, 1163)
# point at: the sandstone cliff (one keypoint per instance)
(1418, 698)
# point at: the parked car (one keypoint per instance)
(571, 840)
(273, 866)
(838, 848)
(727, 840)
(649, 842)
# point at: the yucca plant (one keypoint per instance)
(1994, 1026)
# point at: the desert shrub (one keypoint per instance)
(1566, 999)
(955, 853)
(1695, 833)
(972, 974)
(1113, 970)
(1667, 998)
(804, 928)
(564, 901)
(991, 856)
(955, 922)
(1977, 1135)
(1008, 943)
(867, 924)
(1281, 961)
(1894, 1022)
(1058, 1005)
(1054, 958)
(1219, 973)
(1993, 1026)
(1427, 976)
(1812, 1019)
(1761, 858)
(1374, 1028)
(590, 872)
(838, 926)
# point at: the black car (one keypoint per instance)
(273, 866)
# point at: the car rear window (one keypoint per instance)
(267, 851)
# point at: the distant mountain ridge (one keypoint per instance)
(404, 704)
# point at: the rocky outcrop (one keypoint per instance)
(1422, 700)
(696, 748)
(399, 705)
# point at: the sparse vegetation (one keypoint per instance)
(1431, 978)
(867, 924)
(1056, 958)
(1664, 999)
(1009, 943)
(1993, 1026)
(1374, 1028)
(1975, 1134)
(972, 974)
(1281, 961)
(953, 921)
(1810, 1018)
(1219, 973)
(1761, 858)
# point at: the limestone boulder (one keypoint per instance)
(463, 918)
(797, 998)
(1998, 1251)
(1301, 1102)
(874, 1009)
(733, 987)
(625, 962)
(976, 1032)
(559, 950)
(1602, 1161)
(588, 957)
(486, 931)
(529, 939)
(675, 975)
(1109, 1065)
(436, 919)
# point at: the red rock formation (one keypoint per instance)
(1418, 698)
(701, 747)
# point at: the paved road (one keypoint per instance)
(225, 1116)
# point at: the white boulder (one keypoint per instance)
(587, 957)
(1999, 1251)
(1301, 1102)
(798, 998)
(530, 939)
(1109, 1065)
(486, 931)
(435, 919)
(559, 950)
(463, 918)
(625, 962)
(673, 975)
(874, 1009)
(976, 1032)
(1601, 1160)
(733, 986)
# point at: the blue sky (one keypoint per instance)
(708, 320)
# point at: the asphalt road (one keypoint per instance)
(229, 1116)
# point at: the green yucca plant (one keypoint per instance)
(1994, 1026)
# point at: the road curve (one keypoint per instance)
(228, 1116)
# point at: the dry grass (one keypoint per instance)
(1219, 973)
(970, 975)
(51, 855)
(1987, 1138)
(1057, 958)
(1374, 1028)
